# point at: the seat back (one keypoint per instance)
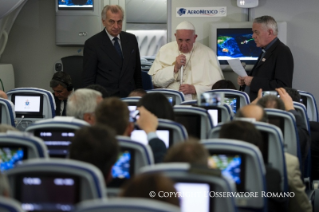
(72, 65)
(10, 205)
(177, 132)
(57, 133)
(190, 180)
(131, 100)
(235, 99)
(245, 166)
(147, 81)
(189, 102)
(31, 104)
(133, 156)
(219, 113)
(126, 205)
(310, 102)
(196, 120)
(301, 109)
(18, 146)
(50, 184)
(175, 97)
(7, 115)
(287, 123)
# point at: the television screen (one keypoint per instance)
(232, 101)
(57, 141)
(75, 4)
(171, 99)
(123, 168)
(215, 113)
(194, 196)
(277, 121)
(231, 165)
(43, 192)
(140, 136)
(236, 43)
(28, 105)
(10, 155)
(265, 147)
(191, 122)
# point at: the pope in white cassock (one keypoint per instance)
(200, 65)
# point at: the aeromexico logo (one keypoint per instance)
(201, 11)
(27, 103)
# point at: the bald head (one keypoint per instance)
(3, 95)
(252, 111)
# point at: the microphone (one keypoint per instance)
(182, 73)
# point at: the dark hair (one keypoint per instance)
(141, 185)
(157, 104)
(99, 88)
(190, 151)
(96, 145)
(242, 130)
(293, 93)
(63, 79)
(137, 92)
(114, 113)
(226, 84)
(276, 102)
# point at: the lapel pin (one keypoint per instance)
(264, 59)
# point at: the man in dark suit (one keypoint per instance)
(274, 67)
(111, 57)
(114, 113)
(61, 84)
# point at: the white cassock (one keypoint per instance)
(201, 70)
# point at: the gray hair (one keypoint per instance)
(82, 101)
(268, 22)
(279, 104)
(113, 9)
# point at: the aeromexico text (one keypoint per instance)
(202, 12)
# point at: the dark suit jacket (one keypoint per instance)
(158, 148)
(102, 64)
(274, 71)
(58, 107)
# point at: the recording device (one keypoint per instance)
(265, 93)
(211, 99)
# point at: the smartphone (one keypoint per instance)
(265, 93)
(135, 115)
(211, 99)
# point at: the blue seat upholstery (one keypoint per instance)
(10, 205)
(178, 97)
(72, 181)
(147, 81)
(8, 115)
(252, 164)
(126, 205)
(48, 107)
(311, 103)
(195, 120)
(183, 173)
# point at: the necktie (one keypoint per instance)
(117, 47)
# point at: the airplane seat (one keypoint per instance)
(176, 132)
(287, 123)
(72, 65)
(273, 153)
(174, 97)
(7, 113)
(311, 105)
(57, 133)
(147, 81)
(133, 156)
(31, 104)
(191, 179)
(235, 99)
(10, 205)
(301, 109)
(248, 162)
(189, 102)
(126, 205)
(19, 146)
(55, 184)
(196, 120)
(219, 113)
